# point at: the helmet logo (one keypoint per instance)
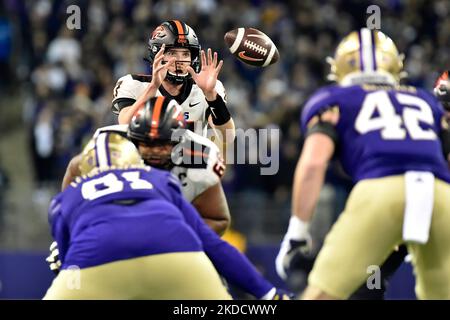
(157, 33)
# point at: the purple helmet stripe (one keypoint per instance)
(361, 60)
(372, 33)
(108, 156)
(96, 152)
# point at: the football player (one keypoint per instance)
(180, 69)
(442, 90)
(392, 141)
(152, 130)
(124, 231)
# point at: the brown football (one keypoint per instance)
(252, 47)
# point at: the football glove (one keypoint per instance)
(297, 241)
(278, 294)
(53, 259)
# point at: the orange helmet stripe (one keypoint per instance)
(181, 35)
(155, 117)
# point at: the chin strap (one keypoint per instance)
(172, 78)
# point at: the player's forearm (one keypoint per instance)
(221, 119)
(308, 181)
(227, 132)
(126, 114)
(213, 208)
(219, 226)
(310, 174)
(72, 171)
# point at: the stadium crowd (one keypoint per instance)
(67, 76)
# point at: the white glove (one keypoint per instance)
(53, 259)
(297, 241)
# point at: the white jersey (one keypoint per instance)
(194, 181)
(192, 100)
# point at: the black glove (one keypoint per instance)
(53, 259)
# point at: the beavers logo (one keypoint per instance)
(158, 32)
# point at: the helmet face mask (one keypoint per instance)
(175, 34)
(366, 56)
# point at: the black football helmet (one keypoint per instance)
(175, 34)
(154, 124)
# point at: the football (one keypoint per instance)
(252, 47)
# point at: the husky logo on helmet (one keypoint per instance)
(366, 56)
(108, 149)
(175, 34)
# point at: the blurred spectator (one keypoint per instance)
(70, 75)
(4, 185)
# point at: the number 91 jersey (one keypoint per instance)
(383, 130)
(195, 179)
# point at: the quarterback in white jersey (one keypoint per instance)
(184, 72)
(196, 110)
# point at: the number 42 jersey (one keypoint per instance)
(383, 130)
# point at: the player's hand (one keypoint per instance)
(53, 259)
(278, 294)
(207, 78)
(296, 242)
(160, 67)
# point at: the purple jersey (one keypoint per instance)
(124, 214)
(383, 130)
(120, 214)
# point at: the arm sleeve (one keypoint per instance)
(60, 230)
(217, 109)
(229, 262)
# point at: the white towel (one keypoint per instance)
(419, 196)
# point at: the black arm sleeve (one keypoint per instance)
(218, 111)
(325, 128)
(121, 103)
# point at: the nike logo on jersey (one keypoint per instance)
(212, 111)
(243, 56)
(193, 104)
